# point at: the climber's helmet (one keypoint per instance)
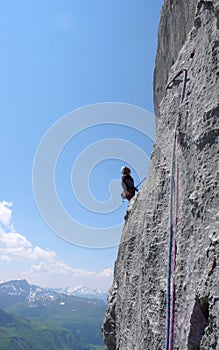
(125, 170)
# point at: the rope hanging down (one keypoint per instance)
(172, 246)
(141, 181)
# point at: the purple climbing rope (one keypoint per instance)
(172, 245)
(172, 309)
(169, 299)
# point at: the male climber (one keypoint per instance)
(127, 184)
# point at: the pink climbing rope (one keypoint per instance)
(172, 311)
(171, 288)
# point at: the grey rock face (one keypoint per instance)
(177, 19)
(136, 314)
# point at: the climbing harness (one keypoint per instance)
(172, 246)
(124, 189)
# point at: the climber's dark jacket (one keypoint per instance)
(128, 185)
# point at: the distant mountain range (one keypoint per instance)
(21, 287)
(84, 292)
(55, 319)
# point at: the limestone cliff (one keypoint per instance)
(135, 318)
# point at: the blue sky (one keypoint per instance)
(57, 57)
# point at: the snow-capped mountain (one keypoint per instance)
(85, 292)
(21, 303)
(32, 294)
(15, 288)
(22, 290)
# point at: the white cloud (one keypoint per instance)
(60, 268)
(41, 266)
(5, 213)
(106, 273)
(15, 246)
(5, 258)
(59, 274)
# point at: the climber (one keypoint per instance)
(128, 186)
